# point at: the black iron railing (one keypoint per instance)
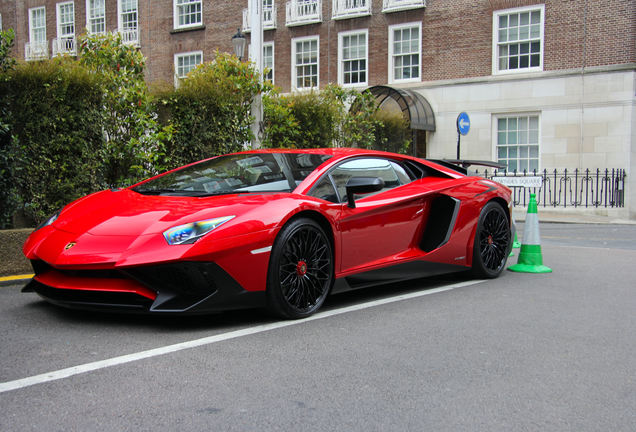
(577, 188)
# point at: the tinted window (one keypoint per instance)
(401, 173)
(324, 190)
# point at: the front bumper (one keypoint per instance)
(191, 287)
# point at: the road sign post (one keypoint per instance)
(463, 126)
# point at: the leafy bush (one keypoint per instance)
(134, 142)
(334, 117)
(281, 128)
(392, 133)
(209, 113)
(55, 136)
(319, 119)
(6, 43)
(7, 189)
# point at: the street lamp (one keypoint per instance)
(238, 41)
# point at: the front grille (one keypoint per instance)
(191, 279)
(86, 298)
(177, 285)
(40, 267)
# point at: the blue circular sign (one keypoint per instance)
(463, 123)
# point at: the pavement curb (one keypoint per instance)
(547, 216)
(15, 280)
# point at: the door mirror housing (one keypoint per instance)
(362, 185)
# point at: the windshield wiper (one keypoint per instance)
(179, 192)
(154, 191)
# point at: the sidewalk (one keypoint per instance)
(572, 216)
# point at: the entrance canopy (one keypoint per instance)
(415, 108)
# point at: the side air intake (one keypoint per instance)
(440, 223)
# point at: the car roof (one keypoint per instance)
(340, 153)
(332, 151)
(336, 152)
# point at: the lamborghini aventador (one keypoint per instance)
(280, 229)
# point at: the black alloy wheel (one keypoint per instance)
(492, 241)
(300, 270)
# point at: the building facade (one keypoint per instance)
(547, 83)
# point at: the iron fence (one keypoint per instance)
(577, 188)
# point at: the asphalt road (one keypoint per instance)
(553, 352)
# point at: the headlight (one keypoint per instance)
(190, 232)
(48, 221)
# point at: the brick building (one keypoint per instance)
(547, 83)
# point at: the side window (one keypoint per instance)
(367, 167)
(400, 171)
(324, 190)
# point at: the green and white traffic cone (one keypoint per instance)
(530, 259)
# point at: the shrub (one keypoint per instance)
(281, 128)
(55, 135)
(134, 142)
(333, 117)
(209, 113)
(392, 133)
(319, 119)
(7, 188)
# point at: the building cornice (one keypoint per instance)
(492, 79)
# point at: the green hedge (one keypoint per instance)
(209, 113)
(332, 117)
(393, 134)
(50, 154)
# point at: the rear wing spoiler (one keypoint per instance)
(462, 165)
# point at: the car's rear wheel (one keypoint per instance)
(300, 270)
(492, 241)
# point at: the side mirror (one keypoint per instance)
(362, 185)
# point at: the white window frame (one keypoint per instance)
(58, 16)
(268, 44)
(177, 56)
(31, 29)
(341, 59)
(495, 39)
(120, 20)
(294, 77)
(89, 18)
(269, 8)
(392, 79)
(0, 22)
(517, 115)
(176, 15)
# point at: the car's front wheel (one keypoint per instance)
(492, 241)
(300, 271)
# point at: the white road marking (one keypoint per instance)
(89, 367)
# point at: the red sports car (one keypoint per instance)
(275, 228)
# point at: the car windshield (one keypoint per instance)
(237, 173)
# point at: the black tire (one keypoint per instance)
(492, 241)
(301, 270)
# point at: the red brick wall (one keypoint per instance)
(611, 32)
